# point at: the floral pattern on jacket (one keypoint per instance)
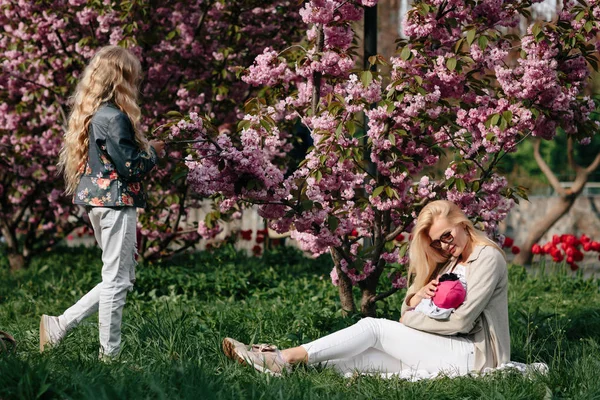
(116, 165)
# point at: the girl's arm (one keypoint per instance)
(487, 275)
(131, 162)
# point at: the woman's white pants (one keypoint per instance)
(115, 231)
(381, 345)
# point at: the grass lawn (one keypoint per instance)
(179, 312)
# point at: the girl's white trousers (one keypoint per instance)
(115, 231)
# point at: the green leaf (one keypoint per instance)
(406, 53)
(265, 125)
(476, 185)
(319, 176)
(366, 77)
(579, 16)
(460, 185)
(208, 221)
(451, 63)
(458, 44)
(418, 79)
(503, 124)
(171, 34)
(389, 246)
(537, 29)
(522, 192)
(588, 26)
(333, 222)
(174, 114)
(392, 139)
(373, 60)
(351, 126)
(243, 124)
(378, 191)
(178, 175)
(483, 42)
(388, 191)
(471, 36)
(507, 115)
(494, 119)
(403, 249)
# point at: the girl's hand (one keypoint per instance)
(428, 291)
(159, 146)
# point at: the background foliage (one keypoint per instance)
(189, 53)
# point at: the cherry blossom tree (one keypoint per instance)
(459, 85)
(189, 52)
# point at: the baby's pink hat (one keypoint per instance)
(449, 294)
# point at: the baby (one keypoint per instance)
(450, 294)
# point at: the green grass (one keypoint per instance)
(179, 312)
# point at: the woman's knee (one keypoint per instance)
(369, 322)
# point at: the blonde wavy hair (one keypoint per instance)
(425, 261)
(113, 75)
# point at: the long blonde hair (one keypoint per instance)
(112, 75)
(424, 259)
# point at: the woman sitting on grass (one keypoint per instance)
(474, 336)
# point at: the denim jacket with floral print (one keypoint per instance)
(116, 165)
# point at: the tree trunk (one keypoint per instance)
(15, 259)
(344, 286)
(367, 305)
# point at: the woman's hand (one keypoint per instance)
(426, 292)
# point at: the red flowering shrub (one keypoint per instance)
(567, 246)
(246, 234)
(509, 244)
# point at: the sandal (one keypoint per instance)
(263, 357)
(7, 343)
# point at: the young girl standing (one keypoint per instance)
(104, 158)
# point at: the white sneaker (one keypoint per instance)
(51, 331)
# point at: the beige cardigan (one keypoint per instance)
(484, 314)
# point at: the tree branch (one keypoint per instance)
(570, 159)
(546, 169)
(594, 165)
(317, 75)
(383, 295)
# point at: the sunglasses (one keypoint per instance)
(446, 238)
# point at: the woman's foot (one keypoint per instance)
(264, 358)
(51, 332)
